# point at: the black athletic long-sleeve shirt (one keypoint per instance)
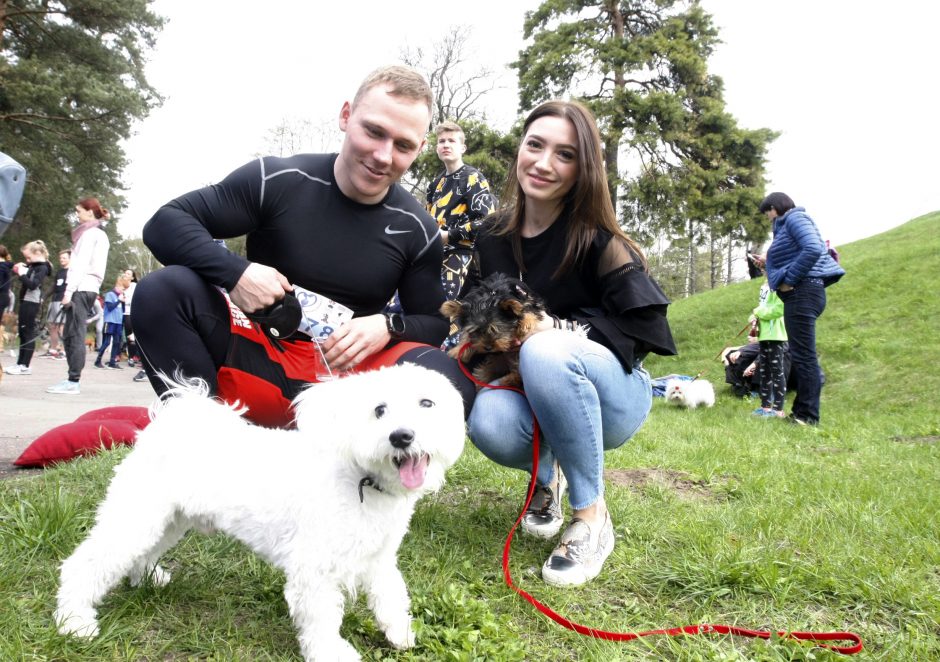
(298, 221)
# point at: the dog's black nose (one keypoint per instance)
(402, 437)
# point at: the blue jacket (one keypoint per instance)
(798, 252)
(113, 308)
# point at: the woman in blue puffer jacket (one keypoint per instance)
(799, 268)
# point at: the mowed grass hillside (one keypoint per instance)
(720, 518)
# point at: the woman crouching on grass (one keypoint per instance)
(559, 234)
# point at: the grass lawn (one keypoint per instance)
(720, 518)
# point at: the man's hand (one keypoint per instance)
(445, 236)
(355, 341)
(259, 287)
(748, 371)
(66, 299)
(784, 287)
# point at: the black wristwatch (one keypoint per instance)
(395, 324)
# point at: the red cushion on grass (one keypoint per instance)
(77, 438)
(139, 416)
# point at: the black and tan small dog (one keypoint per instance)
(494, 318)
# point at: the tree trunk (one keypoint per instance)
(690, 261)
(3, 20)
(728, 262)
(611, 151)
(612, 141)
(712, 267)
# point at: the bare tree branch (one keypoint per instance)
(456, 86)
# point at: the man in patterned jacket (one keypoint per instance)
(459, 199)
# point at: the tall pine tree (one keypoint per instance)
(71, 86)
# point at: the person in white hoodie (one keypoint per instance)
(90, 247)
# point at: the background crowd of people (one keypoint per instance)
(54, 308)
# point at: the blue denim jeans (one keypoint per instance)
(585, 403)
(802, 306)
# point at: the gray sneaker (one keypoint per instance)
(65, 387)
(580, 555)
(543, 517)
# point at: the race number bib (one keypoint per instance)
(321, 316)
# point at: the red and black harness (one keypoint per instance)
(265, 374)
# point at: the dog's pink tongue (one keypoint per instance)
(411, 471)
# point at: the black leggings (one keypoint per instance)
(182, 323)
(773, 378)
(27, 327)
(131, 342)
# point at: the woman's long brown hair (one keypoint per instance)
(587, 203)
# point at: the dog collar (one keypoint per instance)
(368, 481)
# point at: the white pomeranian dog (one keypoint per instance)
(330, 512)
(691, 394)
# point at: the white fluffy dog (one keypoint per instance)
(330, 512)
(691, 394)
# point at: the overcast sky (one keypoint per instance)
(851, 87)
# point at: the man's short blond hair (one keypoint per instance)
(449, 127)
(401, 82)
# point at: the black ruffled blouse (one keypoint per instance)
(607, 290)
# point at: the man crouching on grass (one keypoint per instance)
(338, 225)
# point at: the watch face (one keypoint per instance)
(396, 324)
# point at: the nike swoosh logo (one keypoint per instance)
(389, 230)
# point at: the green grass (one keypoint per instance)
(738, 521)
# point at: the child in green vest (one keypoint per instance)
(771, 336)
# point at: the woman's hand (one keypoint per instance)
(544, 324)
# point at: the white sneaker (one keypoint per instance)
(18, 370)
(65, 387)
(580, 555)
(543, 518)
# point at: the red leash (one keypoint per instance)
(815, 637)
